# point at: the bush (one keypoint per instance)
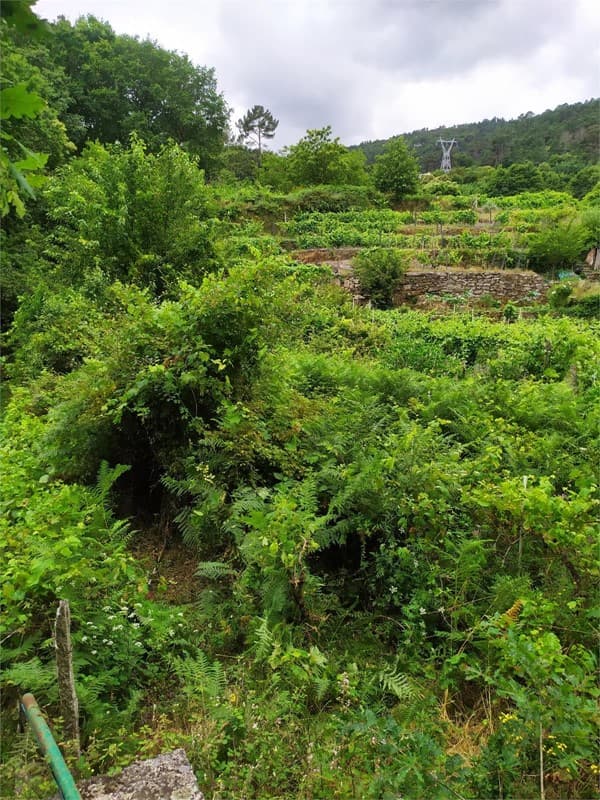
(559, 294)
(334, 198)
(556, 247)
(379, 271)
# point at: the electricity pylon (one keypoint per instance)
(446, 148)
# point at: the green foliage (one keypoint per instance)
(120, 84)
(319, 159)
(382, 523)
(256, 125)
(533, 199)
(237, 163)
(31, 131)
(76, 530)
(397, 683)
(515, 179)
(380, 271)
(552, 708)
(567, 136)
(199, 676)
(134, 216)
(585, 180)
(17, 102)
(333, 199)
(40, 92)
(558, 246)
(441, 186)
(19, 14)
(274, 172)
(396, 171)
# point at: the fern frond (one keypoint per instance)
(275, 594)
(30, 676)
(121, 529)
(106, 478)
(213, 570)
(175, 486)
(511, 616)
(321, 685)
(263, 640)
(397, 683)
(248, 500)
(200, 675)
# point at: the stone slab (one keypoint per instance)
(166, 777)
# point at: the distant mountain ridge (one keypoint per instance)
(569, 130)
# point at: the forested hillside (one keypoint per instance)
(332, 545)
(568, 134)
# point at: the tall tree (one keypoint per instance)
(319, 159)
(396, 171)
(120, 85)
(256, 125)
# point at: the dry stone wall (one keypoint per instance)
(421, 283)
(501, 285)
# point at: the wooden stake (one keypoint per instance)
(69, 705)
(541, 749)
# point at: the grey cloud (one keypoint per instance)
(371, 68)
(316, 63)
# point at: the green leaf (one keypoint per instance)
(17, 101)
(21, 180)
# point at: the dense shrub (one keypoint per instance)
(379, 271)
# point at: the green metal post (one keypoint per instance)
(49, 748)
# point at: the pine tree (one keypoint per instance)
(257, 124)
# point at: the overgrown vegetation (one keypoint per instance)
(332, 551)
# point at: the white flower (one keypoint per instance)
(422, 611)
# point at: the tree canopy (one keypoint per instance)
(320, 159)
(257, 124)
(396, 171)
(570, 130)
(119, 84)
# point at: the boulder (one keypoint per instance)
(166, 777)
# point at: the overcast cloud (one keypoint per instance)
(373, 68)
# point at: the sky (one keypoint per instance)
(373, 68)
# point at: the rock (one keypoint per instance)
(166, 777)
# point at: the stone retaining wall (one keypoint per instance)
(501, 285)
